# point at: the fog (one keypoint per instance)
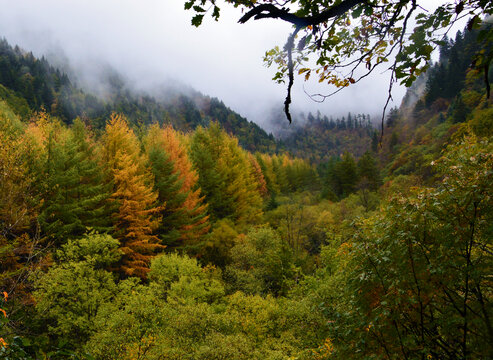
(152, 43)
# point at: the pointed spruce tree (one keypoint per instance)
(184, 216)
(76, 197)
(137, 216)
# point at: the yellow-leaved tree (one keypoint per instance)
(137, 215)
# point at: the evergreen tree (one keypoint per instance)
(205, 150)
(350, 121)
(181, 216)
(328, 189)
(392, 117)
(394, 141)
(225, 176)
(368, 173)
(167, 185)
(374, 141)
(77, 198)
(459, 110)
(345, 176)
(137, 215)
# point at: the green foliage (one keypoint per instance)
(342, 176)
(18, 104)
(77, 197)
(298, 220)
(125, 327)
(368, 172)
(180, 279)
(482, 122)
(225, 176)
(9, 121)
(261, 263)
(420, 268)
(69, 295)
(216, 246)
(169, 319)
(168, 186)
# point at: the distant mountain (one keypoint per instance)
(31, 84)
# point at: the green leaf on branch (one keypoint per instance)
(197, 20)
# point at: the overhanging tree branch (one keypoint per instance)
(269, 11)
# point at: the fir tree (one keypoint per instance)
(225, 176)
(368, 173)
(343, 176)
(77, 198)
(184, 217)
(137, 215)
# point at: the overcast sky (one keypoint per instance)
(152, 42)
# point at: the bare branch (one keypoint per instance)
(289, 48)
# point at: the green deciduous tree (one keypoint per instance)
(70, 293)
(420, 287)
(261, 263)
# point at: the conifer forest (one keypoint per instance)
(134, 226)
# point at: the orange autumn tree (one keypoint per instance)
(184, 218)
(137, 216)
(194, 203)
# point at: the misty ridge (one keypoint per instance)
(102, 79)
(92, 89)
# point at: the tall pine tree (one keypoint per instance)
(77, 197)
(137, 215)
(184, 218)
(225, 176)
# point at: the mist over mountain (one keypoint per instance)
(154, 44)
(98, 89)
(48, 88)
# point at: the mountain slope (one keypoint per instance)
(30, 84)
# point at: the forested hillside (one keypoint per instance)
(131, 228)
(318, 137)
(29, 84)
